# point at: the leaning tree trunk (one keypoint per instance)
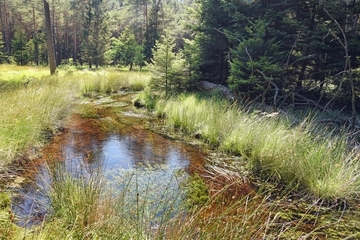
(49, 39)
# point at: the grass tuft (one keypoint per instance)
(29, 112)
(315, 160)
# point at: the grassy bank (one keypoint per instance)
(304, 155)
(34, 104)
(31, 114)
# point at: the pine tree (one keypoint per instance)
(2, 49)
(18, 45)
(152, 33)
(167, 67)
(125, 50)
(95, 40)
(254, 62)
(213, 43)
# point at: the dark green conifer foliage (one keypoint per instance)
(125, 50)
(19, 49)
(214, 45)
(153, 28)
(191, 55)
(37, 49)
(96, 33)
(254, 61)
(167, 67)
(3, 57)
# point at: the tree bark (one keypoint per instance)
(49, 39)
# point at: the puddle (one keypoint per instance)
(156, 162)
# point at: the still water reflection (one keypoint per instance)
(156, 165)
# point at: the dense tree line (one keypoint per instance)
(295, 51)
(84, 31)
(298, 52)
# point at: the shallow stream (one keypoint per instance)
(152, 161)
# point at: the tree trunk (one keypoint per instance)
(75, 45)
(36, 46)
(6, 25)
(49, 39)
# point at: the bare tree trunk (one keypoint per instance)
(36, 44)
(66, 36)
(49, 39)
(75, 45)
(5, 21)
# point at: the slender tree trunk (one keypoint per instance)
(36, 47)
(75, 45)
(49, 39)
(1, 18)
(6, 22)
(66, 36)
(74, 13)
(166, 69)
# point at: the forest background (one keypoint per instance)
(279, 52)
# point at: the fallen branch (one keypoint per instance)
(272, 83)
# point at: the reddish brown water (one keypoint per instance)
(84, 148)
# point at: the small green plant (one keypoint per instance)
(8, 229)
(197, 193)
(146, 99)
(4, 200)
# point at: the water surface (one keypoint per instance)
(156, 165)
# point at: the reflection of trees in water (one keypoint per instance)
(83, 151)
(86, 148)
(147, 148)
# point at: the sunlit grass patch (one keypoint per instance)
(301, 155)
(194, 116)
(106, 82)
(8, 230)
(13, 77)
(12, 72)
(28, 113)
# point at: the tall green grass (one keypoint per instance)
(86, 205)
(33, 104)
(13, 77)
(29, 113)
(110, 81)
(319, 162)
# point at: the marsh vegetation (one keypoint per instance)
(267, 91)
(268, 174)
